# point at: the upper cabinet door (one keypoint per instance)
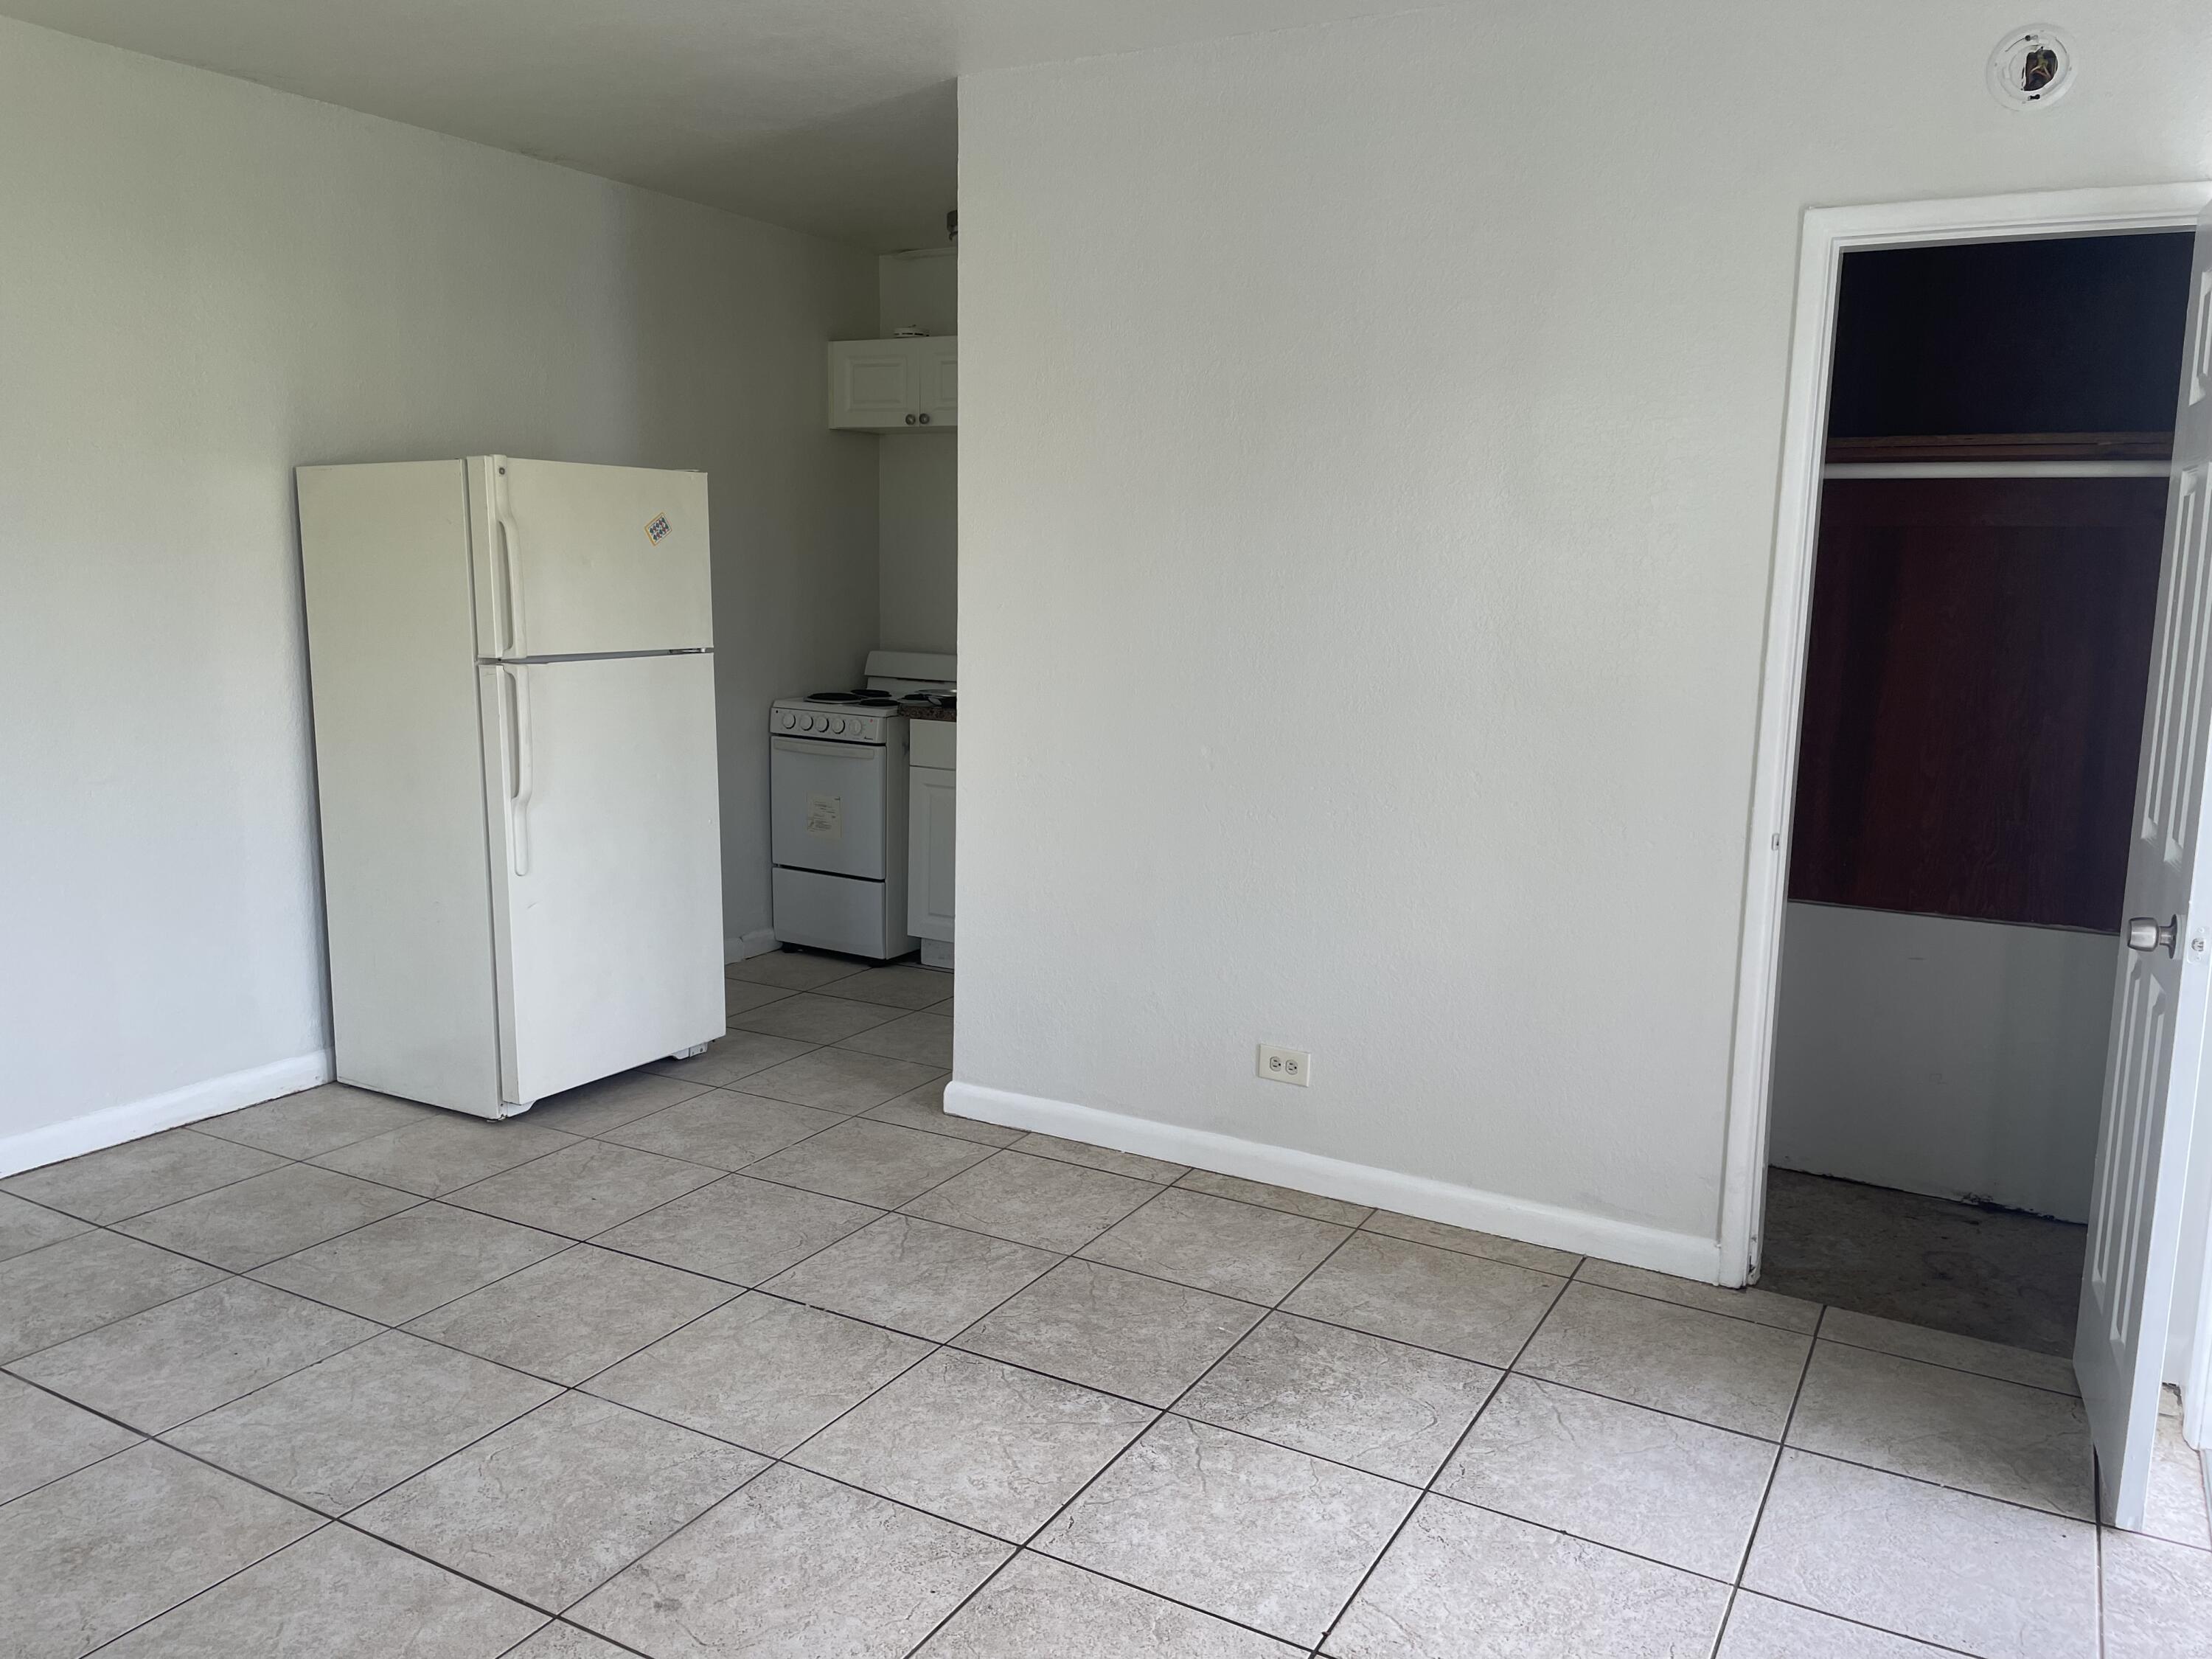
(939, 365)
(872, 384)
(579, 561)
(882, 385)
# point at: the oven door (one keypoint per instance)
(826, 806)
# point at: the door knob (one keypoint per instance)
(2145, 934)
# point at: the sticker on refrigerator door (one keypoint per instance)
(657, 528)
(825, 816)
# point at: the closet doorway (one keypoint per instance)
(2145, 1302)
(1993, 498)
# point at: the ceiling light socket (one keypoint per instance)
(2031, 68)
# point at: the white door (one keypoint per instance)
(938, 367)
(2154, 1066)
(607, 878)
(872, 383)
(573, 560)
(826, 806)
(929, 819)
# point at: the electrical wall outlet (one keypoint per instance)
(1285, 1065)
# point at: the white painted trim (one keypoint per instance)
(2196, 1370)
(1686, 1255)
(757, 943)
(114, 1125)
(1828, 234)
(1994, 470)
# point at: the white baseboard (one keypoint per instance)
(114, 1125)
(757, 943)
(1686, 1255)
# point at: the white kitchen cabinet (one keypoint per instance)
(873, 383)
(937, 370)
(929, 811)
(883, 385)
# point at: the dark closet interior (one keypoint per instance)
(2078, 336)
(1974, 696)
(1979, 647)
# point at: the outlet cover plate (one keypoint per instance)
(1292, 1066)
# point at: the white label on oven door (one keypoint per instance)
(825, 816)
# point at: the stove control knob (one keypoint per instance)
(837, 724)
(806, 722)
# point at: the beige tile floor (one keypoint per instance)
(760, 1354)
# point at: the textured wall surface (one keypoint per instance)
(1376, 427)
(208, 283)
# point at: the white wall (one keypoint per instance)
(1965, 1058)
(1385, 418)
(918, 494)
(206, 282)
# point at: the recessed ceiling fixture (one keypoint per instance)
(2032, 67)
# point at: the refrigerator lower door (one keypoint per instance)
(606, 865)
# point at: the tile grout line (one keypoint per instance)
(109, 1225)
(1773, 1469)
(141, 1440)
(321, 1523)
(380, 1329)
(562, 1390)
(1028, 1544)
(1428, 1488)
(323, 1518)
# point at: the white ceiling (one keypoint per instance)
(834, 115)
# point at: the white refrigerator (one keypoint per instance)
(513, 672)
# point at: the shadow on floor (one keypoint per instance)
(1997, 1274)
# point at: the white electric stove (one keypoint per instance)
(837, 806)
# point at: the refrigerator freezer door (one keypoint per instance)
(606, 865)
(571, 560)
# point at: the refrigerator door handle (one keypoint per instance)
(520, 768)
(508, 564)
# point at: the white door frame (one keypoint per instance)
(1828, 235)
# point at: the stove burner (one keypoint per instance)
(841, 696)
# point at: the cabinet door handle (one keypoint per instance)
(910, 420)
(925, 420)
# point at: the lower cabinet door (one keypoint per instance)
(929, 852)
